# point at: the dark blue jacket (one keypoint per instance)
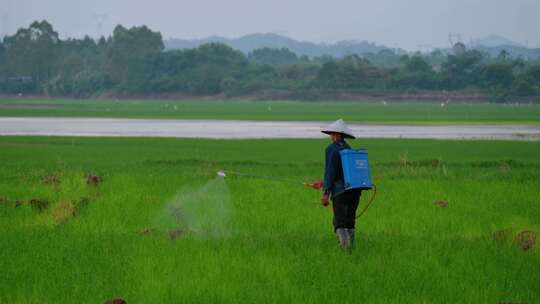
(333, 171)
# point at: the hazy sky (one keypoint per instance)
(403, 23)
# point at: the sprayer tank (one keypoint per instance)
(355, 169)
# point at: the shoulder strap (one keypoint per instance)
(343, 146)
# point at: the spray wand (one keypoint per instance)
(315, 185)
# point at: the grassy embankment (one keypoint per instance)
(259, 241)
(359, 112)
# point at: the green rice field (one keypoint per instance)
(83, 220)
(359, 112)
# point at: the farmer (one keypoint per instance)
(344, 203)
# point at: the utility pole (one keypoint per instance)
(100, 20)
(454, 38)
(396, 48)
(527, 50)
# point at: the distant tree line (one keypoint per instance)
(132, 61)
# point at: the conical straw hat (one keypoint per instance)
(338, 126)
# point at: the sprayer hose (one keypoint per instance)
(371, 199)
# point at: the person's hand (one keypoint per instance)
(325, 201)
(318, 184)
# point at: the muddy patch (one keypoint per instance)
(177, 233)
(63, 212)
(66, 210)
(56, 212)
(4, 201)
(39, 204)
(93, 180)
(148, 231)
(441, 203)
(51, 180)
(525, 239)
(505, 166)
(502, 236)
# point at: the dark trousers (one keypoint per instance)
(344, 206)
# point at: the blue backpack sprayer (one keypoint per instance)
(356, 174)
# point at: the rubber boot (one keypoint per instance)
(344, 239)
(351, 237)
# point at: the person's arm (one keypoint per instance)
(330, 171)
